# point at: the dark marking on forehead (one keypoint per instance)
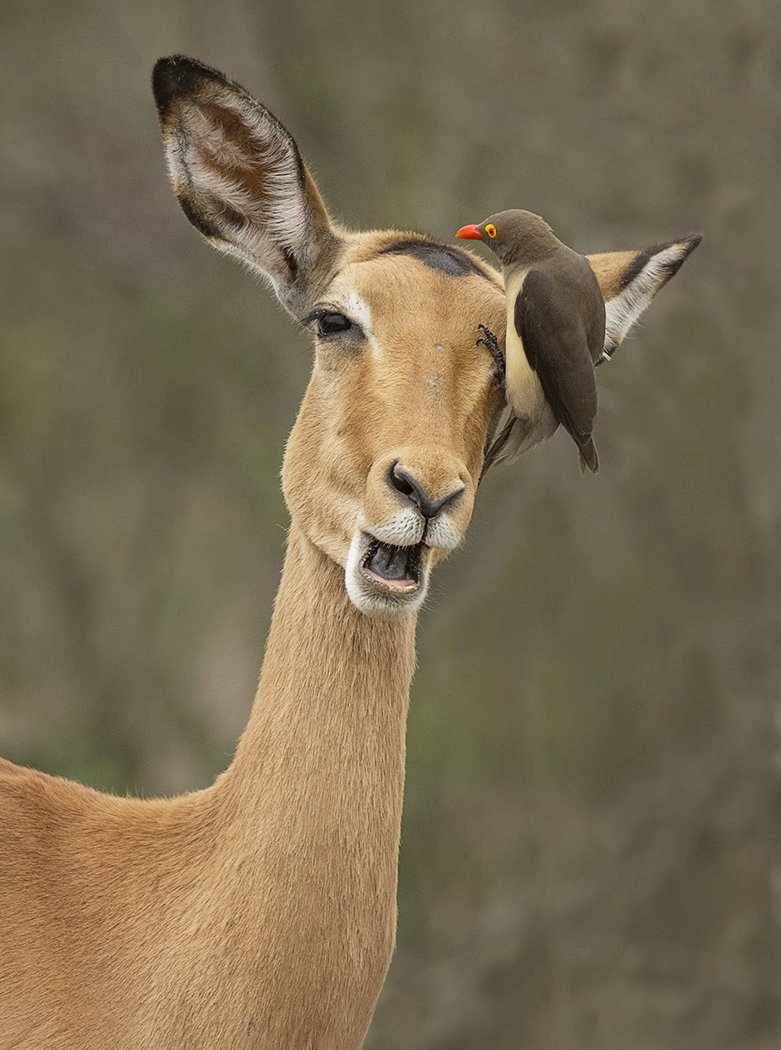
(442, 257)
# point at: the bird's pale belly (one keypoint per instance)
(524, 393)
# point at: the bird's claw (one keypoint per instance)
(491, 343)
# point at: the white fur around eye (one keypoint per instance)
(357, 309)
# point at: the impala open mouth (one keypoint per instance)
(386, 579)
(396, 568)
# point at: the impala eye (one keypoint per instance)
(332, 324)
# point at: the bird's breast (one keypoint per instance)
(524, 392)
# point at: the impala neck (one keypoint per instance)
(319, 770)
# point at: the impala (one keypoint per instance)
(261, 912)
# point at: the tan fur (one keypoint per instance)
(261, 912)
(610, 268)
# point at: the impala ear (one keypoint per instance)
(240, 179)
(630, 280)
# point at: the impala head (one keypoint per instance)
(404, 404)
(384, 460)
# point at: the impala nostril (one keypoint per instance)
(408, 485)
(402, 481)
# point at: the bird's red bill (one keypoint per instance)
(470, 233)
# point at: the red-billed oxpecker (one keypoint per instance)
(555, 323)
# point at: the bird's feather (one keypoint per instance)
(561, 328)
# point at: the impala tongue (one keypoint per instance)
(392, 563)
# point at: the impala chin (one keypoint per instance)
(388, 567)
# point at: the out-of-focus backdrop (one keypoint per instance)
(592, 803)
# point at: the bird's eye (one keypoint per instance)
(490, 229)
(332, 323)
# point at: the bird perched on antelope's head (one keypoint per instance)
(555, 324)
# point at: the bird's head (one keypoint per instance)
(515, 236)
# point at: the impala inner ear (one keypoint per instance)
(240, 179)
(631, 280)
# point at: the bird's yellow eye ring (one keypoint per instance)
(490, 230)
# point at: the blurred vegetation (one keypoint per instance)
(593, 801)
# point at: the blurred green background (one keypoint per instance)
(592, 805)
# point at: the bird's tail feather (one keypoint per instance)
(589, 458)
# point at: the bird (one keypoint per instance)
(555, 322)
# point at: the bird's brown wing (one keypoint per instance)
(549, 321)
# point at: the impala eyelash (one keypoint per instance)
(323, 311)
(313, 316)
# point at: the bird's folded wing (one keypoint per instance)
(548, 320)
